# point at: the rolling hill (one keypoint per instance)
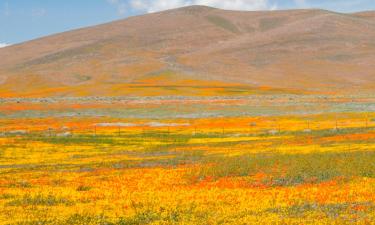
(199, 50)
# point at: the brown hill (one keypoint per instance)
(199, 50)
(366, 15)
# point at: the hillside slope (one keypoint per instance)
(198, 50)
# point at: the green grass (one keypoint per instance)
(223, 23)
(82, 78)
(168, 149)
(319, 133)
(270, 23)
(39, 200)
(290, 169)
(83, 188)
(73, 219)
(21, 184)
(78, 139)
(6, 196)
(333, 210)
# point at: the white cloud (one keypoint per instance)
(120, 5)
(236, 4)
(3, 45)
(159, 5)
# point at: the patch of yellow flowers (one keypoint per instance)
(45, 182)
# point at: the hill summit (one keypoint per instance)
(199, 50)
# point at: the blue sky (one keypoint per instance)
(22, 20)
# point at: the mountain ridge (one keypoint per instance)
(309, 50)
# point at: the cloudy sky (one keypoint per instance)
(22, 20)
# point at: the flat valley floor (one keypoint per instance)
(264, 159)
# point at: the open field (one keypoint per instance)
(194, 115)
(277, 168)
